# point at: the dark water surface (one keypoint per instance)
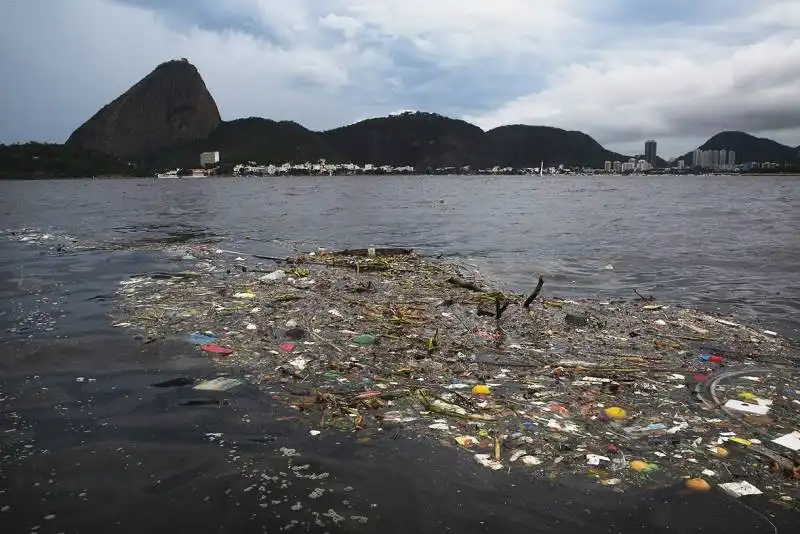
(87, 440)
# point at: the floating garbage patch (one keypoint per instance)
(385, 342)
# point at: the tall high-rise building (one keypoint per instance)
(650, 152)
(723, 158)
(705, 159)
(731, 158)
(607, 166)
(697, 158)
(714, 159)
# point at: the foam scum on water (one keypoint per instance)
(390, 343)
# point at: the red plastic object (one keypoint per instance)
(715, 358)
(700, 378)
(216, 349)
(286, 346)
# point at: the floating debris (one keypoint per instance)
(218, 384)
(373, 340)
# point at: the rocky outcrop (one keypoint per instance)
(168, 107)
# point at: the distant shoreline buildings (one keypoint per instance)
(722, 160)
(714, 159)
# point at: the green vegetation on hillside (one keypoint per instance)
(422, 140)
(46, 160)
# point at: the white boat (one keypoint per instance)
(168, 174)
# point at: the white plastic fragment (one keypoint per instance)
(745, 407)
(299, 363)
(592, 380)
(487, 461)
(273, 276)
(218, 384)
(790, 441)
(314, 432)
(531, 460)
(683, 425)
(709, 472)
(660, 322)
(595, 459)
(770, 333)
(740, 489)
(336, 313)
(696, 329)
(517, 454)
(439, 426)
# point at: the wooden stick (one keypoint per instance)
(535, 293)
(460, 282)
(648, 298)
(500, 308)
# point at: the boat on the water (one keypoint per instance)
(168, 174)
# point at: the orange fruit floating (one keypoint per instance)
(721, 452)
(698, 484)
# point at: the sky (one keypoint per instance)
(622, 71)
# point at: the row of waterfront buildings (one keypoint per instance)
(724, 160)
(716, 160)
(632, 165)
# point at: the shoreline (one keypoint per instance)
(533, 176)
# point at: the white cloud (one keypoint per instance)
(620, 73)
(622, 102)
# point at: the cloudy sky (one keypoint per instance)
(622, 71)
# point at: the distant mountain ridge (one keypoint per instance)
(749, 148)
(169, 117)
(422, 140)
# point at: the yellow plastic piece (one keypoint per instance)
(615, 413)
(481, 389)
(466, 441)
(639, 465)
